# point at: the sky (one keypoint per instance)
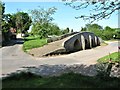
(64, 16)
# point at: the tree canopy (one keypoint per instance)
(22, 21)
(42, 22)
(102, 9)
(42, 15)
(105, 33)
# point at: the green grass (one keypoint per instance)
(33, 42)
(115, 57)
(69, 80)
(112, 40)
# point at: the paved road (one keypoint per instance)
(13, 58)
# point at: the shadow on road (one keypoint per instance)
(56, 70)
(13, 42)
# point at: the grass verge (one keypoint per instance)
(104, 44)
(33, 42)
(114, 57)
(70, 80)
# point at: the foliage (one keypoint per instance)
(101, 9)
(93, 26)
(84, 29)
(2, 9)
(42, 16)
(54, 30)
(19, 20)
(69, 80)
(103, 70)
(44, 31)
(107, 33)
(22, 21)
(117, 30)
(65, 31)
(33, 42)
(114, 58)
(4, 25)
(42, 25)
(5, 30)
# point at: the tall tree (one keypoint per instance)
(93, 26)
(65, 31)
(102, 9)
(1, 14)
(3, 24)
(2, 9)
(42, 15)
(23, 21)
(41, 20)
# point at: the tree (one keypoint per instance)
(54, 29)
(65, 31)
(72, 30)
(42, 15)
(102, 9)
(3, 24)
(22, 21)
(95, 28)
(108, 28)
(117, 33)
(42, 19)
(90, 27)
(84, 29)
(2, 10)
(108, 33)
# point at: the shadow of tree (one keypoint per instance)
(13, 42)
(56, 70)
(77, 76)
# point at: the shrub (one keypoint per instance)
(104, 70)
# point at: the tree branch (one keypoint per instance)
(101, 10)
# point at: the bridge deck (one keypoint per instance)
(50, 47)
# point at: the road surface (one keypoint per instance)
(13, 58)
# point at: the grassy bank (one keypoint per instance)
(70, 80)
(33, 42)
(114, 57)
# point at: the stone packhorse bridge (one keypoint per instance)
(81, 41)
(67, 43)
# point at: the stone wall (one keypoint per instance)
(56, 38)
(115, 71)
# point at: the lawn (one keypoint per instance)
(33, 42)
(115, 57)
(69, 80)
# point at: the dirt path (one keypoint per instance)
(13, 58)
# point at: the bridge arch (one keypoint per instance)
(76, 45)
(81, 41)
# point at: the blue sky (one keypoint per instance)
(64, 16)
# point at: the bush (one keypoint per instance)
(104, 70)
